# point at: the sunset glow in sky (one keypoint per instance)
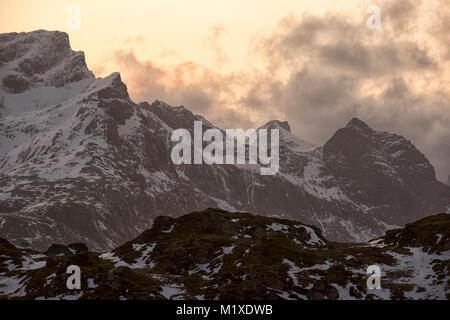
(168, 30)
(242, 63)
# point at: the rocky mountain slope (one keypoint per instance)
(81, 162)
(216, 254)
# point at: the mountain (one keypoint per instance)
(287, 139)
(81, 162)
(216, 254)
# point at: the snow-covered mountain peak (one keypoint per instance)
(177, 117)
(288, 139)
(111, 87)
(38, 59)
(161, 106)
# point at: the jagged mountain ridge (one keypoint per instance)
(214, 254)
(81, 162)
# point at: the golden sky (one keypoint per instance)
(173, 30)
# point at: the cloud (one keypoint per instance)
(401, 16)
(213, 42)
(441, 25)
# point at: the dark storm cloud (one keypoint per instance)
(334, 42)
(400, 15)
(374, 59)
(332, 61)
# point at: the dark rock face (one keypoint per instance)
(81, 162)
(15, 84)
(62, 250)
(377, 168)
(275, 124)
(78, 247)
(57, 249)
(323, 290)
(191, 257)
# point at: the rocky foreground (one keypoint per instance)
(216, 254)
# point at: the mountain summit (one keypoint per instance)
(37, 59)
(81, 162)
(357, 123)
(277, 124)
